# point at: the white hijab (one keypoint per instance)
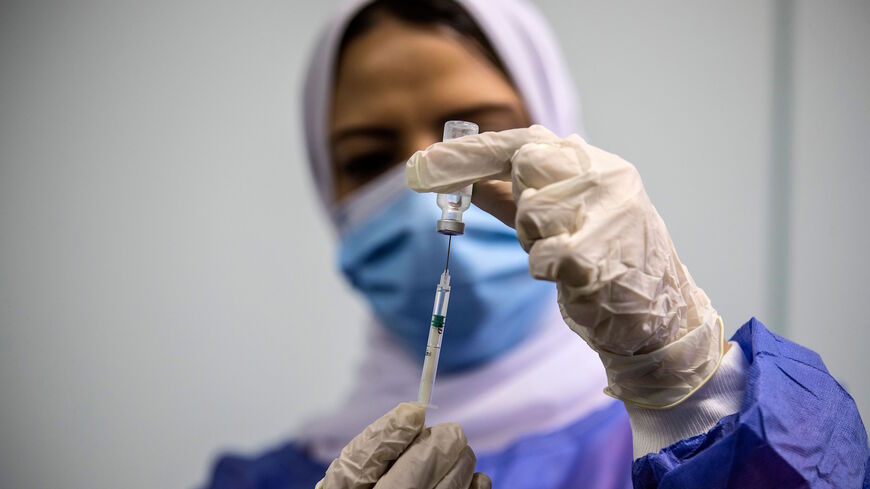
(544, 384)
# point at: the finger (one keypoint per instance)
(555, 209)
(480, 481)
(365, 459)
(496, 198)
(460, 475)
(559, 259)
(594, 255)
(538, 164)
(590, 251)
(451, 165)
(427, 460)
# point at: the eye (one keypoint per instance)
(367, 166)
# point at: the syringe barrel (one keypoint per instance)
(436, 333)
(453, 205)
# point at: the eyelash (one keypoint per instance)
(368, 165)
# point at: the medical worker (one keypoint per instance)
(563, 232)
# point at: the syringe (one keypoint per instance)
(436, 333)
(452, 206)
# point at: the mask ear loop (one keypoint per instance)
(363, 202)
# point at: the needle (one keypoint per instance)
(449, 240)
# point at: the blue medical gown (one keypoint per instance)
(797, 428)
(592, 453)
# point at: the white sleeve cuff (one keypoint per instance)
(654, 429)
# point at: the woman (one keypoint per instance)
(520, 397)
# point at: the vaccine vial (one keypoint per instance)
(453, 205)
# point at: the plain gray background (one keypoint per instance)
(167, 287)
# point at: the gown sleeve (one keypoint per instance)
(286, 467)
(797, 428)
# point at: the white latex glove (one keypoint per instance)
(397, 452)
(584, 217)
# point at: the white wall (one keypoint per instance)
(830, 267)
(166, 281)
(670, 88)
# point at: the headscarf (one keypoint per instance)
(527, 390)
(518, 34)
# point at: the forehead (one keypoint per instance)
(400, 68)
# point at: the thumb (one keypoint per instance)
(496, 198)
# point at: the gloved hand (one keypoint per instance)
(397, 452)
(584, 217)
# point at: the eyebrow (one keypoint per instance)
(381, 132)
(468, 114)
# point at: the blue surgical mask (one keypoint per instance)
(394, 257)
